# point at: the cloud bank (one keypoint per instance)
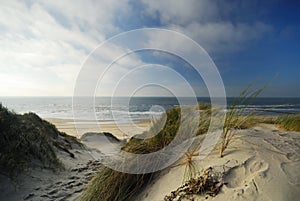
(44, 43)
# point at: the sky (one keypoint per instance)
(44, 46)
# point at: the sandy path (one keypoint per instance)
(261, 164)
(37, 183)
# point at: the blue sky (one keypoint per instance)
(43, 44)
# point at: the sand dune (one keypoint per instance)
(37, 183)
(262, 163)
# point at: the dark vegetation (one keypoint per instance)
(27, 140)
(209, 183)
(289, 122)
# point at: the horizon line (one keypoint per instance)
(142, 96)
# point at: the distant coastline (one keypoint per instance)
(139, 107)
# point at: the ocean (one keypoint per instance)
(139, 108)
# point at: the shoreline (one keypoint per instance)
(260, 158)
(121, 130)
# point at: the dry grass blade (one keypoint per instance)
(237, 116)
(190, 166)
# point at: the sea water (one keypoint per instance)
(138, 108)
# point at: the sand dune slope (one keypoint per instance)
(262, 163)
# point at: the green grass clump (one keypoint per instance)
(265, 119)
(110, 185)
(26, 140)
(141, 145)
(204, 106)
(237, 117)
(289, 122)
(205, 117)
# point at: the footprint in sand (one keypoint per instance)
(288, 146)
(240, 175)
(293, 157)
(292, 171)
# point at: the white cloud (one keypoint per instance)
(49, 40)
(44, 43)
(208, 22)
(90, 15)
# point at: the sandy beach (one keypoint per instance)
(262, 163)
(84, 126)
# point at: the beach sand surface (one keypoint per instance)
(37, 183)
(79, 127)
(262, 163)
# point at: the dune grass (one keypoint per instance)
(111, 185)
(26, 140)
(160, 138)
(190, 170)
(156, 141)
(114, 186)
(237, 117)
(289, 122)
